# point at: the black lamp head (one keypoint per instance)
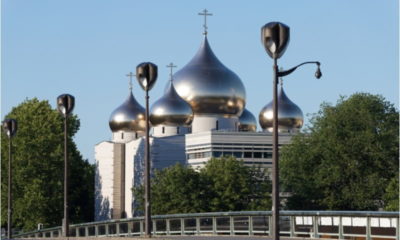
(146, 74)
(10, 127)
(65, 104)
(318, 73)
(275, 37)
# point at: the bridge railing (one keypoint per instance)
(314, 224)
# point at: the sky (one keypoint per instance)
(85, 48)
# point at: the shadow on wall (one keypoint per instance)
(138, 175)
(101, 204)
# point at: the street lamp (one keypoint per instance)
(10, 128)
(146, 74)
(275, 37)
(65, 105)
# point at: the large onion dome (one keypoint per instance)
(171, 110)
(247, 122)
(208, 86)
(129, 117)
(290, 116)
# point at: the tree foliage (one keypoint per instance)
(225, 184)
(38, 169)
(346, 158)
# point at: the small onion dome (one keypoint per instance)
(290, 116)
(129, 117)
(247, 122)
(171, 110)
(208, 86)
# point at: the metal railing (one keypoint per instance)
(314, 224)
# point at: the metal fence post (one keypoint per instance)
(368, 230)
(214, 225)
(340, 228)
(250, 225)
(231, 226)
(77, 231)
(397, 228)
(117, 229)
(197, 226)
(96, 230)
(107, 226)
(168, 226)
(154, 230)
(292, 225)
(130, 226)
(141, 227)
(182, 226)
(315, 226)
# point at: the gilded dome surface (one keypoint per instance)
(290, 116)
(247, 122)
(129, 117)
(171, 110)
(208, 86)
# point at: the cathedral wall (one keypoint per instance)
(104, 180)
(134, 156)
(208, 123)
(165, 131)
(119, 181)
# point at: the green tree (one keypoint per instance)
(346, 158)
(225, 184)
(177, 189)
(38, 169)
(391, 198)
(235, 187)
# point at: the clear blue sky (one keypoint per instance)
(85, 48)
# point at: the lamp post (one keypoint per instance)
(65, 105)
(146, 74)
(10, 128)
(275, 37)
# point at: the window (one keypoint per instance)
(268, 155)
(257, 155)
(217, 154)
(248, 154)
(227, 154)
(238, 154)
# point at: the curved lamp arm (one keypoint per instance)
(318, 73)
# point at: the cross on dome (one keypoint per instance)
(171, 66)
(130, 75)
(205, 13)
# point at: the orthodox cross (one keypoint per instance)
(205, 13)
(130, 75)
(171, 66)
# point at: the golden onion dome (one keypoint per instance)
(171, 110)
(290, 116)
(247, 122)
(208, 86)
(129, 117)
